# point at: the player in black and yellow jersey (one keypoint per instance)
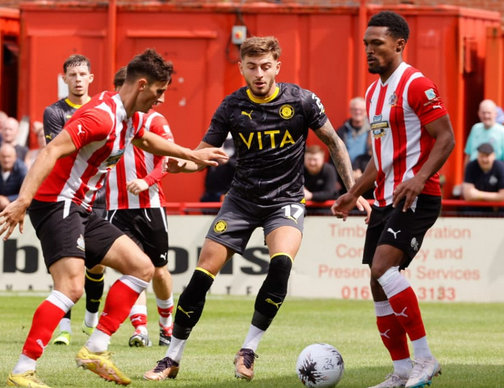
(77, 75)
(269, 123)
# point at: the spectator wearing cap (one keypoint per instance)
(484, 177)
(486, 131)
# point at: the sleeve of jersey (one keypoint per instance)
(314, 110)
(93, 125)
(53, 124)
(423, 98)
(159, 126)
(218, 130)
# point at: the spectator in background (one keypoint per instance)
(355, 131)
(31, 155)
(484, 178)
(9, 136)
(486, 131)
(218, 178)
(320, 177)
(13, 172)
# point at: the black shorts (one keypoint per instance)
(238, 218)
(66, 229)
(148, 228)
(403, 230)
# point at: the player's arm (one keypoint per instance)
(441, 130)
(339, 155)
(338, 151)
(14, 213)
(155, 144)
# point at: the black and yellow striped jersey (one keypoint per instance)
(270, 138)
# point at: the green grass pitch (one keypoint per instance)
(467, 339)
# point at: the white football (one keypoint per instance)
(320, 365)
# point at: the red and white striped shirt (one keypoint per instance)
(139, 164)
(100, 131)
(398, 111)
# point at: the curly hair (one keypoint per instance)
(397, 25)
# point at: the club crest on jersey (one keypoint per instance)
(113, 159)
(220, 226)
(378, 126)
(286, 112)
(430, 94)
(393, 99)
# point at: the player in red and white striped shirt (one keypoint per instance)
(61, 186)
(412, 138)
(134, 204)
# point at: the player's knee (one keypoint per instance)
(279, 272)
(144, 270)
(274, 289)
(74, 292)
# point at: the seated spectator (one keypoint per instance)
(320, 177)
(218, 179)
(486, 131)
(355, 131)
(12, 174)
(9, 136)
(484, 178)
(500, 115)
(3, 120)
(31, 155)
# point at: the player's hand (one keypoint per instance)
(174, 166)
(11, 216)
(407, 190)
(363, 205)
(136, 186)
(342, 206)
(210, 156)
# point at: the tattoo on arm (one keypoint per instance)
(339, 153)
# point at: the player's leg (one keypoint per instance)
(67, 274)
(93, 286)
(190, 307)
(65, 330)
(107, 245)
(392, 332)
(138, 319)
(154, 237)
(283, 244)
(163, 289)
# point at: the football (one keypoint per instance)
(320, 365)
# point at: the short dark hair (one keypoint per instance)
(120, 77)
(397, 25)
(76, 60)
(150, 65)
(256, 46)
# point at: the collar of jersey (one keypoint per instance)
(76, 106)
(258, 100)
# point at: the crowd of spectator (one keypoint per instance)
(483, 163)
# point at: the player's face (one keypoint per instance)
(260, 73)
(383, 52)
(150, 94)
(78, 79)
